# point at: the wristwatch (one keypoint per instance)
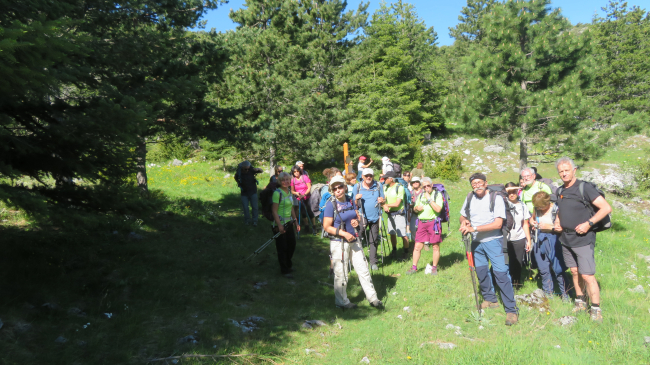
(591, 224)
(474, 228)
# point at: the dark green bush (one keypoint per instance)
(442, 167)
(642, 174)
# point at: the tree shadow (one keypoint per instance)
(450, 259)
(168, 274)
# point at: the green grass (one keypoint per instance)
(185, 277)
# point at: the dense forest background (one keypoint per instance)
(94, 91)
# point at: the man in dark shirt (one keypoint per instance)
(578, 239)
(245, 177)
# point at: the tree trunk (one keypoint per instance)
(223, 159)
(272, 162)
(141, 166)
(523, 154)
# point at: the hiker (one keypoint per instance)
(519, 236)
(245, 177)
(394, 208)
(361, 166)
(406, 176)
(386, 165)
(416, 189)
(428, 230)
(283, 212)
(369, 196)
(341, 220)
(302, 167)
(300, 188)
(350, 180)
(418, 171)
(531, 187)
(485, 225)
(274, 178)
(547, 249)
(577, 203)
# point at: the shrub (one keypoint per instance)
(443, 167)
(172, 147)
(642, 173)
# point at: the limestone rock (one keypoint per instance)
(493, 148)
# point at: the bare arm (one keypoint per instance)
(331, 230)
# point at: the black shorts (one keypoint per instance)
(581, 257)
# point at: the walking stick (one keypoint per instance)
(299, 214)
(266, 244)
(363, 228)
(472, 269)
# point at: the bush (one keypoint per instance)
(642, 174)
(443, 167)
(172, 147)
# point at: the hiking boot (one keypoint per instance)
(411, 271)
(374, 267)
(487, 305)
(566, 299)
(434, 270)
(511, 318)
(393, 254)
(348, 306)
(596, 314)
(377, 304)
(580, 306)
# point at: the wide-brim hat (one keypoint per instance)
(415, 179)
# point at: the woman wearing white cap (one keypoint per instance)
(340, 220)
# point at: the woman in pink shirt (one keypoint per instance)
(300, 188)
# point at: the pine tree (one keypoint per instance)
(283, 57)
(622, 50)
(527, 79)
(469, 27)
(394, 83)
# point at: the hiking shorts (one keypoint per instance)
(397, 225)
(581, 257)
(427, 233)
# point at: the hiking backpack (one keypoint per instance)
(407, 192)
(321, 205)
(314, 198)
(266, 198)
(397, 168)
(444, 213)
(605, 223)
(332, 199)
(551, 185)
(497, 191)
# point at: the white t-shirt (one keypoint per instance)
(360, 166)
(519, 213)
(479, 211)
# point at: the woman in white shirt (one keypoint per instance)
(519, 236)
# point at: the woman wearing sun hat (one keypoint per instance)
(340, 221)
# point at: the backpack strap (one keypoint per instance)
(493, 198)
(470, 195)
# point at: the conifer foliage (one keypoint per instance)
(526, 78)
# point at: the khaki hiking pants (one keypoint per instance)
(341, 274)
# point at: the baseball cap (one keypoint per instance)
(337, 180)
(477, 175)
(390, 174)
(367, 172)
(300, 163)
(362, 158)
(415, 179)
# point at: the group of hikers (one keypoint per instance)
(509, 226)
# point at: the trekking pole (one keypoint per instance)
(266, 244)
(365, 231)
(472, 269)
(299, 214)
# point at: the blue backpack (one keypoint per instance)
(405, 185)
(325, 196)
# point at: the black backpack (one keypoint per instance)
(266, 198)
(605, 223)
(497, 191)
(397, 168)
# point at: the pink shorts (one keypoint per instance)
(427, 233)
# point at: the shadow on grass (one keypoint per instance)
(140, 292)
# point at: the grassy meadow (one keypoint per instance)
(132, 289)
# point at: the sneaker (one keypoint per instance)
(347, 306)
(511, 318)
(487, 305)
(411, 271)
(374, 267)
(434, 270)
(596, 314)
(377, 304)
(580, 306)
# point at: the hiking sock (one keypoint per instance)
(595, 305)
(582, 297)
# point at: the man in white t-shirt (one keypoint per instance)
(483, 220)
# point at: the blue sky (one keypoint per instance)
(439, 14)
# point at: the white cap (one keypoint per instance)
(385, 159)
(337, 180)
(300, 163)
(415, 179)
(367, 172)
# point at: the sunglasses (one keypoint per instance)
(427, 186)
(338, 187)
